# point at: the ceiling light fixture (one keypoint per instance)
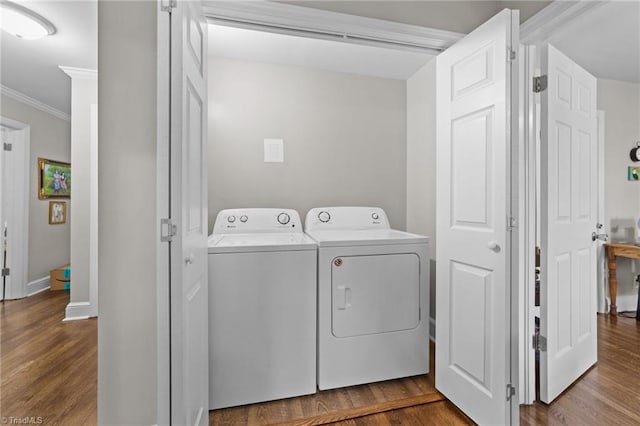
(22, 22)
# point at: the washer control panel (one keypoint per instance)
(346, 218)
(231, 221)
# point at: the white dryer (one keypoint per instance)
(373, 297)
(262, 307)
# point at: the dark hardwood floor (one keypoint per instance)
(48, 370)
(607, 394)
(48, 367)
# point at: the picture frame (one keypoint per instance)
(54, 179)
(57, 212)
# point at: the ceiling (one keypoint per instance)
(458, 16)
(606, 42)
(31, 66)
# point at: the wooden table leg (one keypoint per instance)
(613, 282)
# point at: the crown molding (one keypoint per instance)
(316, 23)
(553, 18)
(21, 97)
(83, 73)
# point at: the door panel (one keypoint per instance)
(13, 206)
(189, 282)
(375, 294)
(568, 217)
(474, 98)
(471, 307)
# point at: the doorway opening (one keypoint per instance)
(14, 207)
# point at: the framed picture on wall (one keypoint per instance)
(57, 212)
(54, 179)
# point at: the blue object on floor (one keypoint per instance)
(66, 274)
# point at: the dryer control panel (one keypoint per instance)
(258, 220)
(346, 218)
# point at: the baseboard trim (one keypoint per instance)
(78, 311)
(37, 286)
(626, 302)
(432, 329)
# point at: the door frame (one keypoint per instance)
(284, 18)
(21, 258)
(163, 208)
(530, 129)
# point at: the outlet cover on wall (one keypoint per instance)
(273, 151)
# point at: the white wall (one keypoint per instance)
(50, 139)
(127, 332)
(84, 93)
(344, 138)
(621, 103)
(421, 161)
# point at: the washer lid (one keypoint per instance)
(242, 243)
(365, 237)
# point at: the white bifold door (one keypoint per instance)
(189, 284)
(476, 141)
(569, 194)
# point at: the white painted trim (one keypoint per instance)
(162, 211)
(553, 18)
(21, 97)
(38, 286)
(20, 196)
(78, 311)
(528, 225)
(513, 189)
(316, 23)
(626, 302)
(432, 329)
(93, 210)
(80, 73)
(601, 256)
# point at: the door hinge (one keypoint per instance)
(512, 223)
(540, 84)
(539, 343)
(168, 5)
(6, 272)
(511, 391)
(7, 146)
(511, 54)
(168, 230)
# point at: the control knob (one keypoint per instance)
(243, 218)
(324, 217)
(283, 218)
(231, 219)
(375, 216)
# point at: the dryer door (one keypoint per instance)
(375, 294)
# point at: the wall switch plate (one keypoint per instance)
(273, 151)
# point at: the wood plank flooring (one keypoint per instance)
(330, 406)
(48, 369)
(607, 394)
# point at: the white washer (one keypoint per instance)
(373, 297)
(262, 307)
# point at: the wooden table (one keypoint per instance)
(618, 250)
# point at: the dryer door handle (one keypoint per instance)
(343, 297)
